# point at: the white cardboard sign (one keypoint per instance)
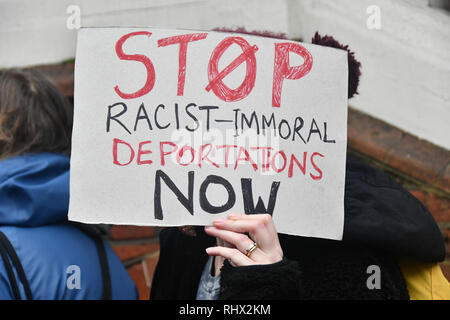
(176, 127)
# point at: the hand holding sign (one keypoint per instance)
(262, 231)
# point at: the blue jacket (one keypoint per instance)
(34, 199)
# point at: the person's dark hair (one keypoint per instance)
(34, 116)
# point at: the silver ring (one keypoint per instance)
(250, 249)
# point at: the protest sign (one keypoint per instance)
(176, 127)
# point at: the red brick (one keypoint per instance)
(143, 282)
(131, 232)
(399, 150)
(417, 158)
(370, 136)
(439, 208)
(445, 267)
(443, 182)
(420, 195)
(127, 251)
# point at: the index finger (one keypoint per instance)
(261, 230)
(244, 216)
(267, 218)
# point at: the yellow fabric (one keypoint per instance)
(425, 281)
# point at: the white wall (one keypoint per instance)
(34, 31)
(406, 64)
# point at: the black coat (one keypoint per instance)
(382, 222)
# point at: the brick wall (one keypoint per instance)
(138, 248)
(421, 167)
